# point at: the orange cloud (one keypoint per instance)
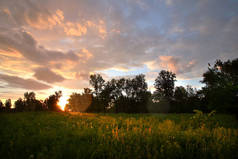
(86, 54)
(83, 75)
(6, 11)
(171, 63)
(79, 29)
(44, 21)
(11, 53)
(73, 29)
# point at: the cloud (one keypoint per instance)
(75, 38)
(75, 29)
(45, 74)
(29, 13)
(75, 84)
(171, 63)
(81, 75)
(27, 46)
(169, 2)
(46, 22)
(89, 27)
(17, 82)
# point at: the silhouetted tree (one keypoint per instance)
(136, 91)
(180, 93)
(164, 85)
(101, 101)
(97, 82)
(52, 101)
(221, 90)
(1, 106)
(19, 105)
(121, 95)
(29, 101)
(8, 105)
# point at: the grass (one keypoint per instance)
(44, 135)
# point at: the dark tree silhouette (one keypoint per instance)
(29, 101)
(20, 105)
(8, 105)
(185, 100)
(53, 100)
(97, 82)
(122, 95)
(1, 106)
(180, 94)
(164, 85)
(221, 90)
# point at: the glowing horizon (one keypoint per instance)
(62, 102)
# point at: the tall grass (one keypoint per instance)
(63, 135)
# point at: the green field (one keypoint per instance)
(44, 135)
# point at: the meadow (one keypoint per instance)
(44, 135)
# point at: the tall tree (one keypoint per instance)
(183, 101)
(133, 95)
(97, 82)
(8, 104)
(20, 105)
(1, 106)
(164, 85)
(29, 101)
(120, 95)
(221, 86)
(30, 96)
(180, 94)
(52, 101)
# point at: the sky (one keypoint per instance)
(50, 45)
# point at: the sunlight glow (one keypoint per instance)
(63, 101)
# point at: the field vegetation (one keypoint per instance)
(52, 135)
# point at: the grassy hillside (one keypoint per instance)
(63, 135)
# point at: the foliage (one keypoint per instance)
(29, 103)
(221, 90)
(185, 100)
(62, 135)
(8, 104)
(52, 101)
(164, 85)
(20, 105)
(1, 106)
(200, 120)
(120, 95)
(97, 82)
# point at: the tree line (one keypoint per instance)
(30, 103)
(131, 95)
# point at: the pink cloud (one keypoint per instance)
(171, 63)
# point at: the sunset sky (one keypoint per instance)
(49, 45)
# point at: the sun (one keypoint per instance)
(62, 102)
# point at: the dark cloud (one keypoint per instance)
(26, 45)
(17, 82)
(45, 74)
